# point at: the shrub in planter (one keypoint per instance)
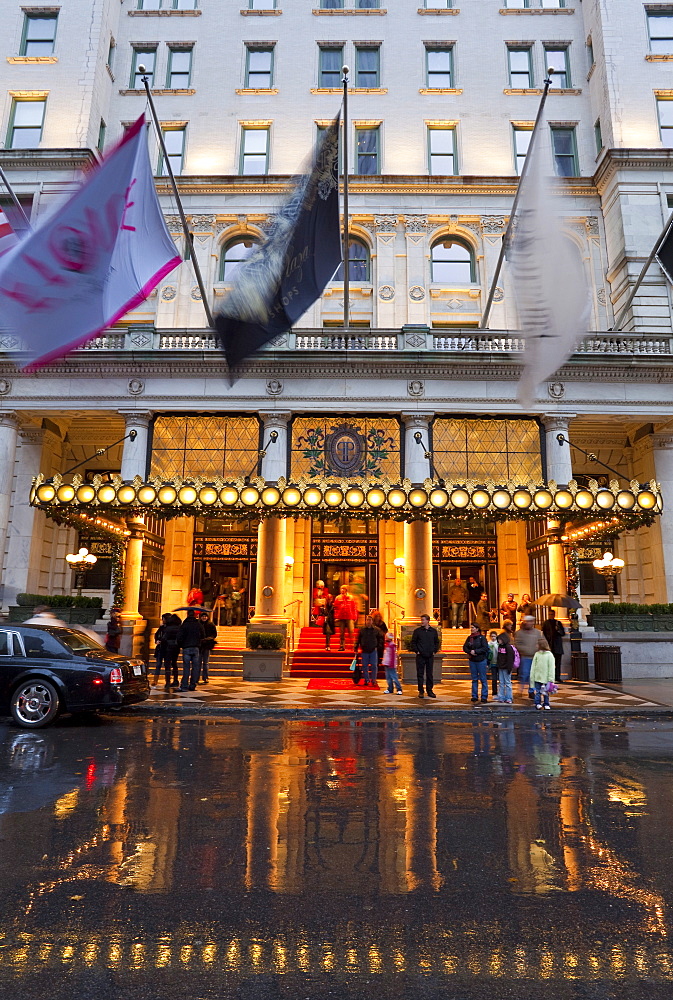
(406, 644)
(266, 640)
(87, 602)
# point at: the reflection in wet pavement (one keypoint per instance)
(222, 858)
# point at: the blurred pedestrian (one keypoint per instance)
(345, 615)
(508, 609)
(425, 643)
(390, 658)
(505, 662)
(553, 631)
(476, 648)
(526, 607)
(482, 614)
(474, 594)
(114, 632)
(368, 641)
(208, 644)
(526, 639)
(542, 673)
(189, 638)
(328, 623)
(43, 615)
(493, 660)
(158, 652)
(169, 649)
(457, 599)
(195, 597)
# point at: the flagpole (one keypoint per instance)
(183, 218)
(347, 289)
(17, 203)
(512, 214)
(634, 291)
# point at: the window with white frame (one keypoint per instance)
(167, 4)
(438, 67)
(442, 150)
(25, 123)
(660, 28)
(522, 136)
(331, 4)
(39, 34)
(259, 67)
(520, 64)
(174, 140)
(553, 3)
(179, 74)
(254, 150)
(557, 59)
(147, 58)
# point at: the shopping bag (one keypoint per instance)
(354, 663)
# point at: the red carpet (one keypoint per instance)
(311, 659)
(333, 684)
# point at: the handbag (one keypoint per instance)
(354, 663)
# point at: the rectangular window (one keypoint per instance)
(522, 137)
(255, 151)
(25, 124)
(259, 68)
(39, 34)
(517, 4)
(149, 4)
(439, 67)
(331, 4)
(553, 3)
(565, 152)
(366, 66)
(665, 109)
(179, 68)
(146, 58)
(262, 4)
(439, 4)
(660, 27)
(520, 68)
(598, 135)
(331, 61)
(174, 139)
(185, 4)
(442, 150)
(101, 135)
(367, 147)
(557, 59)
(366, 4)
(590, 53)
(112, 48)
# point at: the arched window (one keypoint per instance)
(358, 263)
(452, 261)
(234, 253)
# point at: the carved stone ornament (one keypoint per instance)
(386, 293)
(196, 293)
(9, 343)
(416, 223)
(202, 223)
(141, 340)
(168, 293)
(279, 341)
(591, 224)
(415, 340)
(498, 294)
(385, 223)
(416, 387)
(274, 387)
(416, 293)
(454, 304)
(173, 223)
(136, 387)
(5, 386)
(601, 296)
(493, 224)
(556, 390)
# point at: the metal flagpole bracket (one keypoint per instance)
(178, 201)
(347, 305)
(562, 439)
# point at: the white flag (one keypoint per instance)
(550, 286)
(90, 262)
(8, 237)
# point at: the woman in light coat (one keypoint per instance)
(542, 673)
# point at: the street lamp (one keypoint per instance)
(81, 562)
(609, 567)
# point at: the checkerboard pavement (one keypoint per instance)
(291, 694)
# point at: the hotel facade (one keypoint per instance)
(391, 456)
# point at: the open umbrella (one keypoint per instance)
(192, 607)
(557, 601)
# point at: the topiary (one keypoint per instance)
(265, 640)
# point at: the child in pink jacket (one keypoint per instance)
(390, 664)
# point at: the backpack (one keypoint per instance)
(517, 658)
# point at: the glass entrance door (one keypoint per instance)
(360, 580)
(345, 551)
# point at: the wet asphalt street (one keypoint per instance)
(345, 858)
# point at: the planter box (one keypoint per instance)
(408, 671)
(632, 623)
(662, 623)
(72, 616)
(263, 664)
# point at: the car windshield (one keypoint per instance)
(77, 642)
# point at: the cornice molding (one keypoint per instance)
(631, 158)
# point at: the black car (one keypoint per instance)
(47, 669)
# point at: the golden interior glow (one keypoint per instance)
(646, 499)
(46, 493)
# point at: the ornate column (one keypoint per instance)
(416, 236)
(269, 595)
(417, 534)
(9, 430)
(560, 469)
(416, 465)
(662, 443)
(134, 455)
(274, 462)
(132, 567)
(27, 530)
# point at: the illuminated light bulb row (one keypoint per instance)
(353, 497)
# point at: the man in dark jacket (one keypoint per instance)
(476, 648)
(368, 642)
(553, 632)
(189, 638)
(114, 632)
(208, 643)
(425, 643)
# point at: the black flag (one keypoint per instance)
(664, 255)
(288, 272)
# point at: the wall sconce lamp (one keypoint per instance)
(289, 563)
(399, 564)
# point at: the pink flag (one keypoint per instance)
(91, 262)
(8, 237)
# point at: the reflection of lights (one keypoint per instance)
(209, 954)
(279, 956)
(66, 804)
(186, 954)
(375, 961)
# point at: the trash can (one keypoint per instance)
(579, 666)
(608, 664)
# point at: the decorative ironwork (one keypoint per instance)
(350, 447)
(467, 448)
(204, 445)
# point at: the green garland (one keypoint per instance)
(117, 580)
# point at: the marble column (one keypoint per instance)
(269, 591)
(417, 570)
(416, 465)
(559, 458)
(134, 455)
(26, 531)
(9, 430)
(274, 462)
(663, 469)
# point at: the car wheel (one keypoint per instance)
(35, 703)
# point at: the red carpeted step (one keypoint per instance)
(311, 659)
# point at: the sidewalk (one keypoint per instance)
(233, 696)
